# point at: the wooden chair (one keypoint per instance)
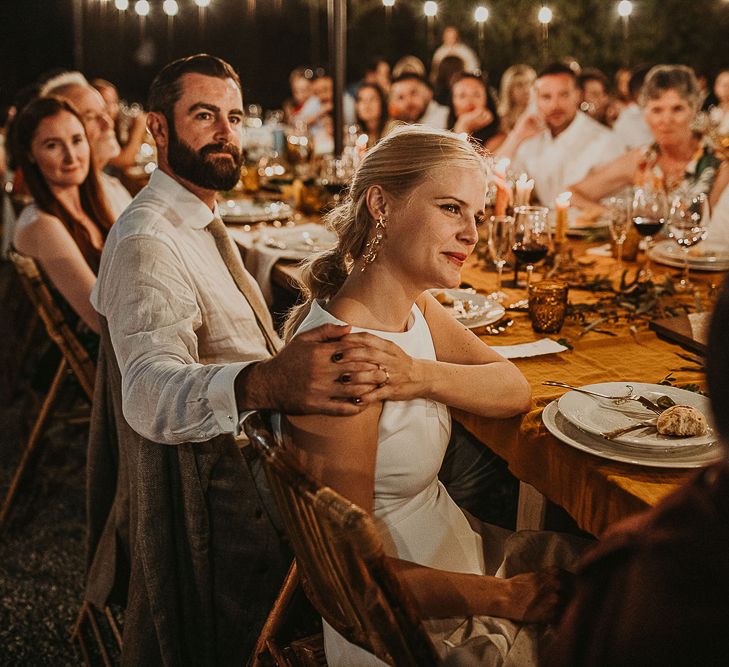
(342, 568)
(74, 360)
(97, 636)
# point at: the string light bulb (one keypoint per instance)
(625, 8)
(170, 7)
(545, 15)
(142, 7)
(481, 14)
(202, 3)
(430, 8)
(121, 5)
(388, 3)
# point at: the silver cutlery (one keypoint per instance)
(627, 429)
(618, 400)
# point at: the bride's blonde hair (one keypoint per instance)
(400, 162)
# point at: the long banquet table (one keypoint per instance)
(597, 492)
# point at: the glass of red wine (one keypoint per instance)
(532, 238)
(649, 212)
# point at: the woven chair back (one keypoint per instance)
(61, 333)
(340, 558)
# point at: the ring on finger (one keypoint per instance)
(387, 375)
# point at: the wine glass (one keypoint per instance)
(687, 226)
(500, 238)
(648, 211)
(532, 239)
(619, 223)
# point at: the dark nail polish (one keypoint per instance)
(337, 356)
(345, 377)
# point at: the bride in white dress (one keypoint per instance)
(409, 225)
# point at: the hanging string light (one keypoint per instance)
(121, 5)
(430, 9)
(170, 7)
(625, 9)
(202, 3)
(142, 8)
(481, 15)
(388, 3)
(545, 18)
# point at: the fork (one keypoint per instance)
(618, 400)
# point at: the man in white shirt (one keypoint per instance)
(189, 348)
(453, 46)
(99, 130)
(630, 128)
(411, 101)
(558, 144)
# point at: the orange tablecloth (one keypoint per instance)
(595, 491)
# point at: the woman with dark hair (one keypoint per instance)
(65, 228)
(473, 110)
(371, 111)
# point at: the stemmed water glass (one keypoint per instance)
(687, 226)
(532, 238)
(619, 223)
(500, 239)
(649, 212)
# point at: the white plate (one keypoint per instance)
(561, 428)
(296, 242)
(576, 224)
(597, 415)
(247, 211)
(705, 256)
(471, 309)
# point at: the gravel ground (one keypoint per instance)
(42, 547)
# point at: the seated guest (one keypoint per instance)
(409, 222)
(450, 67)
(64, 229)
(317, 112)
(408, 65)
(677, 159)
(654, 590)
(99, 130)
(300, 83)
(559, 144)
(595, 100)
(719, 113)
(453, 46)
(186, 334)
(473, 111)
(371, 109)
(135, 134)
(411, 101)
(377, 72)
(514, 94)
(622, 85)
(630, 128)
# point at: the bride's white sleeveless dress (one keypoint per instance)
(420, 523)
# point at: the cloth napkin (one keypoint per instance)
(260, 258)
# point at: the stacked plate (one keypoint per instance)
(577, 224)
(470, 309)
(580, 420)
(247, 211)
(705, 256)
(296, 242)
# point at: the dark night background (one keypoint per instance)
(38, 35)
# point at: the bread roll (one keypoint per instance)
(681, 420)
